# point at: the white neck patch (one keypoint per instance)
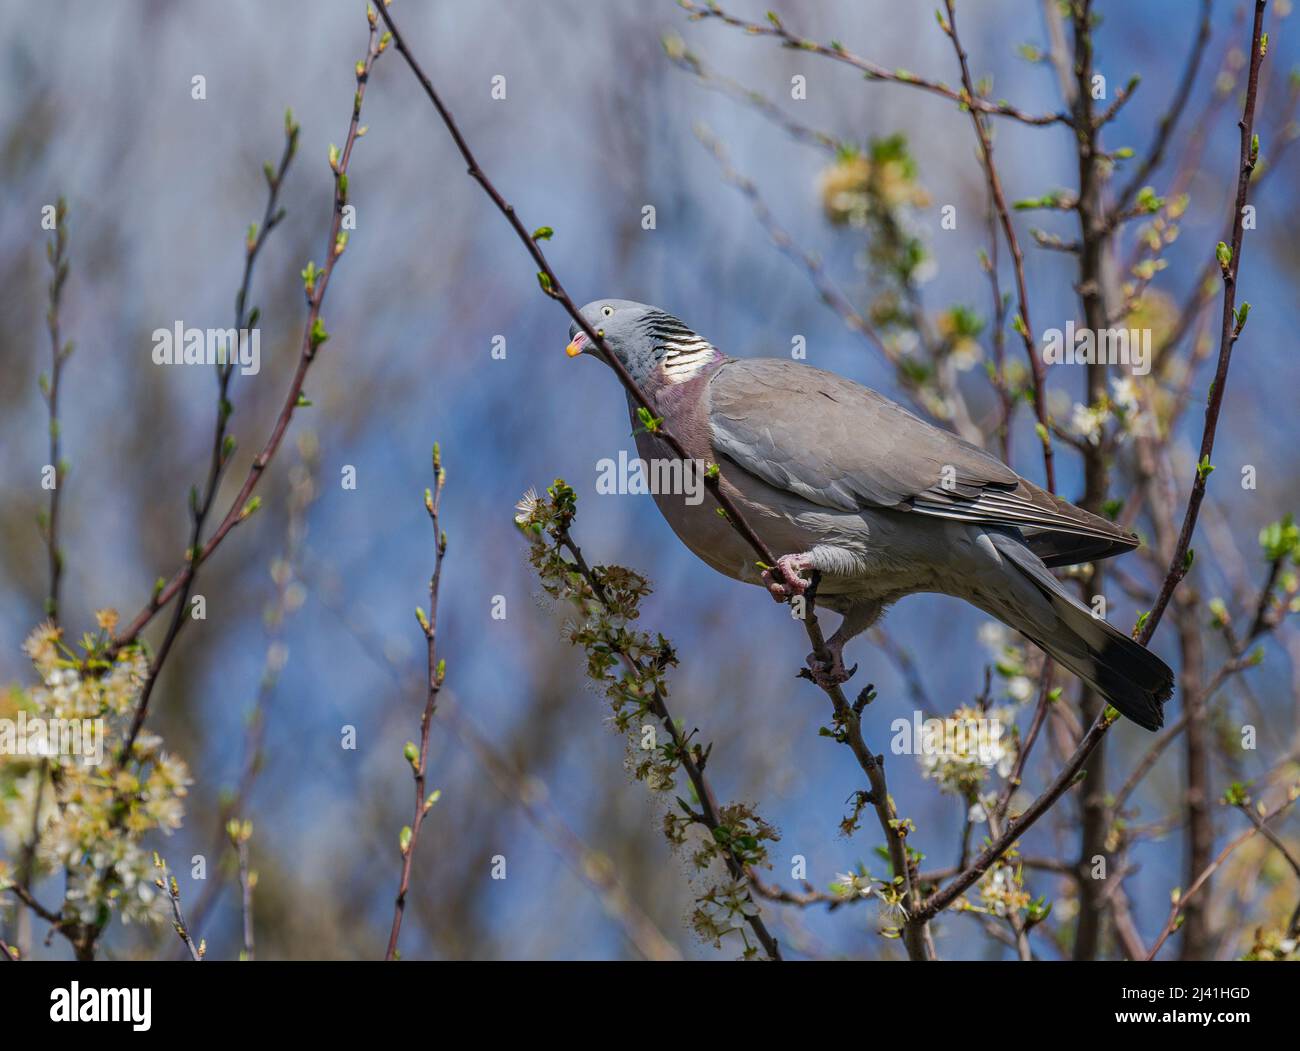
(685, 357)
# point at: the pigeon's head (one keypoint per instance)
(653, 346)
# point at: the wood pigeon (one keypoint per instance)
(839, 479)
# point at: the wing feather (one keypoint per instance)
(843, 446)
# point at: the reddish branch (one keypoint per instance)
(420, 760)
(312, 338)
(1230, 330)
(223, 448)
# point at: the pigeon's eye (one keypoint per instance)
(607, 311)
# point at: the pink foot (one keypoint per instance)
(828, 675)
(787, 580)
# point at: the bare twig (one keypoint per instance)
(532, 796)
(286, 575)
(686, 60)
(811, 265)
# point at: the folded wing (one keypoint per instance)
(840, 445)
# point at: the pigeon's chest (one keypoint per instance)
(680, 494)
(678, 488)
(691, 511)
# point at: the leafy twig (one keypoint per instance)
(166, 883)
(1230, 330)
(418, 758)
(316, 281)
(713, 480)
(871, 70)
(971, 100)
(239, 833)
(1181, 899)
(56, 252)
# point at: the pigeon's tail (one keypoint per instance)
(1129, 676)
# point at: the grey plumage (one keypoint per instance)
(839, 479)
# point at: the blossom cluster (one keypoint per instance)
(90, 820)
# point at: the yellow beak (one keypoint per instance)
(575, 348)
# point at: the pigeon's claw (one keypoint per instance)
(787, 579)
(774, 587)
(830, 674)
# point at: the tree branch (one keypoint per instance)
(419, 758)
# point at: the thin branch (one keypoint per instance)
(27, 898)
(56, 252)
(811, 265)
(594, 869)
(314, 335)
(689, 62)
(419, 758)
(1023, 325)
(532, 797)
(871, 70)
(1229, 331)
(708, 814)
(1238, 660)
(239, 833)
(1180, 902)
(1271, 836)
(166, 883)
(1022, 754)
(286, 575)
(1165, 129)
(1062, 783)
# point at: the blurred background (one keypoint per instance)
(597, 123)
